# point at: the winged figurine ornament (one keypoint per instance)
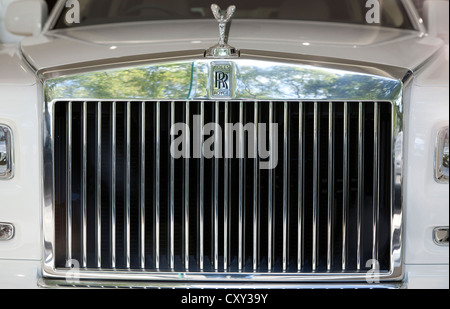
(222, 49)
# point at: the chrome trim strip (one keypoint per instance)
(241, 188)
(330, 186)
(346, 188)
(128, 188)
(98, 186)
(52, 284)
(300, 188)
(255, 192)
(113, 183)
(171, 159)
(186, 189)
(270, 229)
(216, 187)
(359, 214)
(285, 258)
(315, 225)
(376, 184)
(157, 184)
(84, 188)
(142, 197)
(201, 199)
(226, 206)
(69, 183)
(227, 277)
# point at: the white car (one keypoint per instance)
(271, 144)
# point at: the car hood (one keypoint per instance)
(394, 47)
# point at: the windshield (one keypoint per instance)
(385, 13)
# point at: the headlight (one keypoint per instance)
(6, 159)
(442, 157)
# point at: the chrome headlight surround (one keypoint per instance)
(441, 161)
(6, 153)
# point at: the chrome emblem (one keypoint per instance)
(222, 80)
(222, 49)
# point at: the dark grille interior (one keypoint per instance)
(333, 254)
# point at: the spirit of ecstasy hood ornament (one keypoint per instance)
(222, 49)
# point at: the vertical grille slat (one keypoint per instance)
(123, 201)
(270, 227)
(113, 184)
(69, 183)
(156, 224)
(187, 156)
(300, 189)
(359, 213)
(376, 173)
(142, 196)
(98, 188)
(345, 200)
(171, 227)
(226, 192)
(201, 196)
(84, 188)
(315, 201)
(256, 192)
(127, 228)
(330, 187)
(285, 259)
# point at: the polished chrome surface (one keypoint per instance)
(259, 77)
(171, 231)
(156, 223)
(142, 150)
(359, 214)
(69, 182)
(7, 231)
(98, 187)
(376, 184)
(270, 227)
(178, 85)
(6, 153)
(330, 186)
(61, 284)
(256, 218)
(222, 49)
(345, 189)
(441, 236)
(241, 187)
(300, 187)
(226, 194)
(84, 189)
(186, 190)
(113, 184)
(127, 187)
(285, 257)
(441, 161)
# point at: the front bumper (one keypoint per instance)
(27, 275)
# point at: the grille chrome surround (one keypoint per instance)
(240, 272)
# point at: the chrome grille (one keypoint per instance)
(122, 202)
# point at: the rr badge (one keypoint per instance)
(221, 80)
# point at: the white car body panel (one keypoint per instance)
(360, 43)
(426, 203)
